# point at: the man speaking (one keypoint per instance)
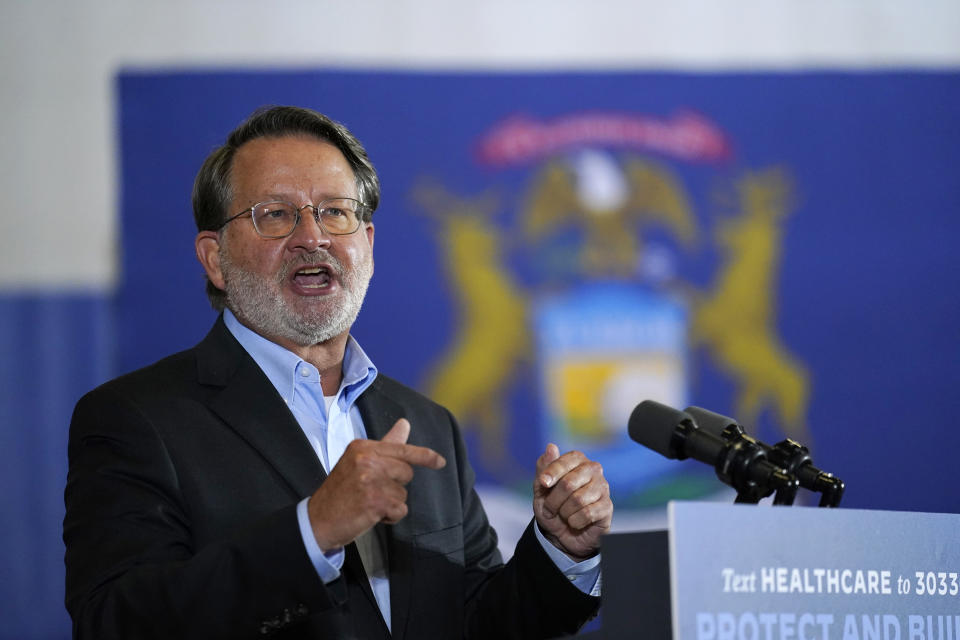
(270, 481)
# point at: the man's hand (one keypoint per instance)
(367, 486)
(571, 501)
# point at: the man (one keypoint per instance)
(270, 480)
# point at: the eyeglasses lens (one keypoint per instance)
(278, 219)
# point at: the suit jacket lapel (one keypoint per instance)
(379, 412)
(251, 406)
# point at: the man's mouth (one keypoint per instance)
(317, 277)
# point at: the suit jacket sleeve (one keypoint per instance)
(526, 598)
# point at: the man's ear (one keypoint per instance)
(208, 253)
(368, 229)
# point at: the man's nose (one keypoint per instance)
(309, 233)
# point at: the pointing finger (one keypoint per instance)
(394, 444)
(412, 454)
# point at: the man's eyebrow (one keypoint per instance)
(277, 197)
(267, 197)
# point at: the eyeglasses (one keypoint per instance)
(337, 216)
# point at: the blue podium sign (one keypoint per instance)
(759, 573)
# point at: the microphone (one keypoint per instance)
(741, 463)
(787, 454)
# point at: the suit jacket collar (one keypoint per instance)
(251, 406)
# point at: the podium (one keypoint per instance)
(748, 572)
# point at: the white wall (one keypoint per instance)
(58, 59)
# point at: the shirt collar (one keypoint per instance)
(280, 365)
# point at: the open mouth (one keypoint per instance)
(313, 277)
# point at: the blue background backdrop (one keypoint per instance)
(866, 294)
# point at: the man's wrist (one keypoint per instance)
(326, 563)
(555, 541)
(584, 575)
(562, 559)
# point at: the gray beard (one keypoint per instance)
(257, 301)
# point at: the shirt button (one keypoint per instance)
(304, 372)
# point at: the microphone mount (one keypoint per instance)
(741, 463)
(795, 458)
(787, 454)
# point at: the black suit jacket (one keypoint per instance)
(180, 522)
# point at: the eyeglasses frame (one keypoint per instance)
(316, 216)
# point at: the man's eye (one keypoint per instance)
(276, 214)
(334, 212)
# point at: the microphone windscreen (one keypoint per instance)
(710, 421)
(653, 425)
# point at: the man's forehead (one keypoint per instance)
(280, 144)
(267, 159)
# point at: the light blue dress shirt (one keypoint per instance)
(330, 424)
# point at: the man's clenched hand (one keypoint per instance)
(571, 502)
